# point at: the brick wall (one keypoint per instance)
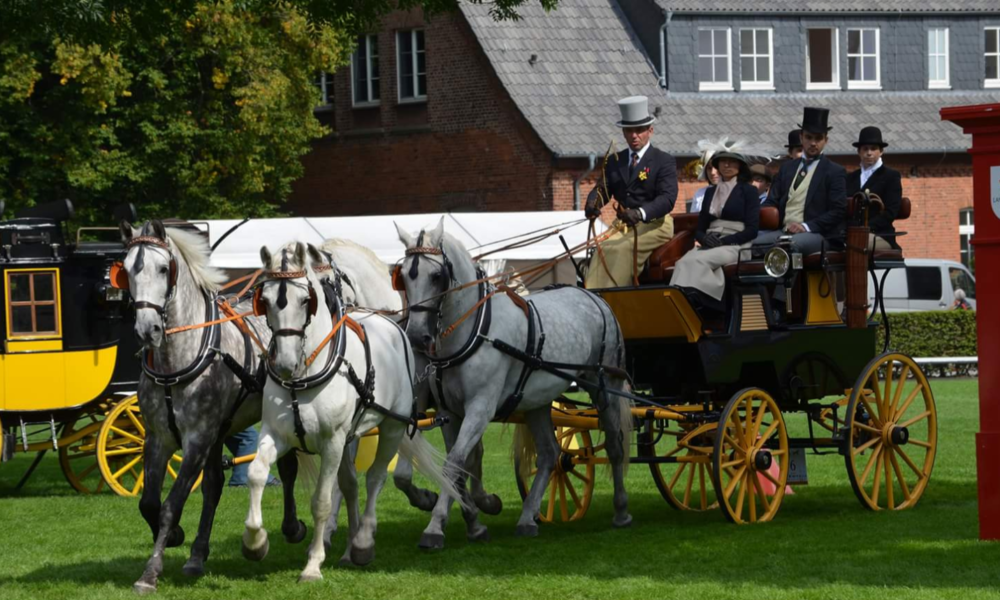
(466, 149)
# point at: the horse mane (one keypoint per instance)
(332, 244)
(195, 251)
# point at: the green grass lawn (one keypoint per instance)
(57, 544)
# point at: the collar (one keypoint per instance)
(810, 163)
(875, 167)
(641, 152)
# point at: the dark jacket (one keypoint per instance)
(742, 205)
(826, 200)
(655, 193)
(887, 184)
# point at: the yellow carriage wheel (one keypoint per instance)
(119, 450)
(78, 458)
(891, 433)
(571, 485)
(750, 459)
(687, 483)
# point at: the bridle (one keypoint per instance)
(151, 240)
(445, 267)
(284, 278)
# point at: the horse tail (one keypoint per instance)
(523, 451)
(430, 462)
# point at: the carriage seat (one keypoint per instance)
(661, 262)
(838, 258)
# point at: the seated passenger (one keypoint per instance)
(643, 180)
(710, 175)
(877, 179)
(727, 222)
(810, 193)
(760, 178)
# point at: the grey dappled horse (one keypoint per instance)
(579, 329)
(172, 284)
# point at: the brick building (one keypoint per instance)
(460, 113)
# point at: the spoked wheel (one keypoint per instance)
(119, 450)
(687, 483)
(571, 486)
(750, 459)
(891, 433)
(78, 459)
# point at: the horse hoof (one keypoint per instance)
(144, 587)
(258, 554)
(491, 505)
(527, 530)
(425, 502)
(345, 561)
(306, 578)
(194, 567)
(621, 523)
(175, 537)
(431, 541)
(298, 535)
(362, 556)
(483, 535)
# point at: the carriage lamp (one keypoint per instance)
(113, 294)
(777, 262)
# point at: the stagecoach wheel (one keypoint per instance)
(687, 483)
(78, 459)
(119, 449)
(750, 458)
(891, 428)
(571, 486)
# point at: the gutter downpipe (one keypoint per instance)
(592, 158)
(668, 14)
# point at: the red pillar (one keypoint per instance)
(983, 123)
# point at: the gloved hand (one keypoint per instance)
(711, 240)
(590, 210)
(631, 217)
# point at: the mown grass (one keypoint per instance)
(57, 544)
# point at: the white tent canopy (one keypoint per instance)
(241, 250)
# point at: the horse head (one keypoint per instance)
(427, 272)
(151, 271)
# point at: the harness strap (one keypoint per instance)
(168, 399)
(366, 393)
(231, 317)
(512, 401)
(300, 429)
(326, 340)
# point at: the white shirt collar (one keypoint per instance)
(641, 152)
(867, 172)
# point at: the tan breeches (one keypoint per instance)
(618, 254)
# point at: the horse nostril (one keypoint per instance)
(427, 340)
(157, 328)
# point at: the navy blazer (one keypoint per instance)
(655, 193)
(887, 183)
(826, 199)
(743, 204)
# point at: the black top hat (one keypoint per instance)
(814, 120)
(794, 139)
(870, 136)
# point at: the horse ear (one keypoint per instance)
(315, 255)
(126, 230)
(158, 229)
(300, 254)
(265, 257)
(436, 234)
(404, 237)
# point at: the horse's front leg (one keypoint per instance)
(363, 544)
(292, 527)
(331, 454)
(155, 458)
(485, 501)
(350, 454)
(402, 477)
(255, 544)
(195, 454)
(211, 490)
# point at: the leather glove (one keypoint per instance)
(590, 210)
(631, 217)
(711, 240)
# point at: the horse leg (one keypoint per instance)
(350, 454)
(363, 544)
(155, 458)
(539, 422)
(485, 501)
(402, 477)
(211, 490)
(255, 544)
(292, 527)
(331, 455)
(347, 479)
(611, 417)
(471, 432)
(170, 514)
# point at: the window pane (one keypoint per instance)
(932, 70)
(746, 67)
(932, 41)
(720, 41)
(20, 287)
(972, 216)
(991, 68)
(853, 41)
(721, 72)
(373, 47)
(421, 63)
(422, 85)
(762, 35)
(854, 68)
(869, 68)
(46, 318)
(746, 41)
(406, 87)
(420, 41)
(20, 319)
(43, 286)
(868, 35)
(820, 56)
(942, 67)
(405, 42)
(924, 283)
(763, 69)
(704, 42)
(991, 40)
(360, 78)
(704, 69)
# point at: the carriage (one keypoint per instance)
(710, 414)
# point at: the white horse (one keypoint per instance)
(315, 405)
(579, 331)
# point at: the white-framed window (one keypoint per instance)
(324, 81)
(715, 70)
(863, 71)
(756, 59)
(938, 69)
(822, 64)
(992, 79)
(364, 72)
(411, 64)
(966, 232)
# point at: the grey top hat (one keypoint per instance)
(635, 112)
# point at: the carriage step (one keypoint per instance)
(8, 446)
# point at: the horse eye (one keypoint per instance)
(163, 270)
(436, 276)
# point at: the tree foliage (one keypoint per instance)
(191, 108)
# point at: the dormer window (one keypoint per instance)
(863, 70)
(714, 60)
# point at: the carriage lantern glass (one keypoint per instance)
(777, 262)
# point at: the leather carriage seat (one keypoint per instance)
(838, 258)
(662, 260)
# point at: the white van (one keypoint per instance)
(925, 284)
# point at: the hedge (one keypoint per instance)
(932, 333)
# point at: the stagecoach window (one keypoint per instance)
(32, 303)
(924, 283)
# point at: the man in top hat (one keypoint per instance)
(760, 178)
(643, 180)
(794, 145)
(810, 192)
(877, 179)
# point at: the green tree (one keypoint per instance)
(191, 108)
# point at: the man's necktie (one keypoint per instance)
(631, 167)
(801, 175)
